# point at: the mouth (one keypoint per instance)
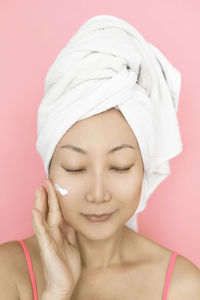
(94, 215)
(98, 218)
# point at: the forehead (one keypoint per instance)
(106, 128)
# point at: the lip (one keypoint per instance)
(93, 215)
(99, 218)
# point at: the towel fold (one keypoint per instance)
(108, 63)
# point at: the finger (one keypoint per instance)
(40, 228)
(34, 225)
(53, 205)
(54, 214)
(43, 234)
(41, 202)
(46, 236)
(54, 217)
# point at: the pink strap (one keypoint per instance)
(30, 267)
(169, 273)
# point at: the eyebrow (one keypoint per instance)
(77, 149)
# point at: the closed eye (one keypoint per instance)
(121, 170)
(82, 170)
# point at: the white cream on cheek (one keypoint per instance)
(62, 191)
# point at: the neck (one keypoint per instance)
(102, 253)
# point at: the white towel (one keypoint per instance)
(106, 64)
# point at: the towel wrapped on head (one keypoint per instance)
(106, 64)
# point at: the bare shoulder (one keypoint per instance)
(12, 258)
(185, 277)
(15, 280)
(9, 264)
(185, 280)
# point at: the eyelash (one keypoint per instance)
(81, 170)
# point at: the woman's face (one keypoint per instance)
(98, 187)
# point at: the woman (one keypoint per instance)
(96, 168)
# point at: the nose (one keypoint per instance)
(99, 190)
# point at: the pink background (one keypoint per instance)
(32, 34)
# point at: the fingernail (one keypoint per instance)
(36, 193)
(40, 188)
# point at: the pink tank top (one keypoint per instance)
(32, 277)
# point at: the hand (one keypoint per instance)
(59, 250)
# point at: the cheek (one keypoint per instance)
(130, 200)
(130, 185)
(62, 191)
(67, 200)
(129, 192)
(68, 208)
(63, 194)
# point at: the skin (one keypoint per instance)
(99, 188)
(116, 261)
